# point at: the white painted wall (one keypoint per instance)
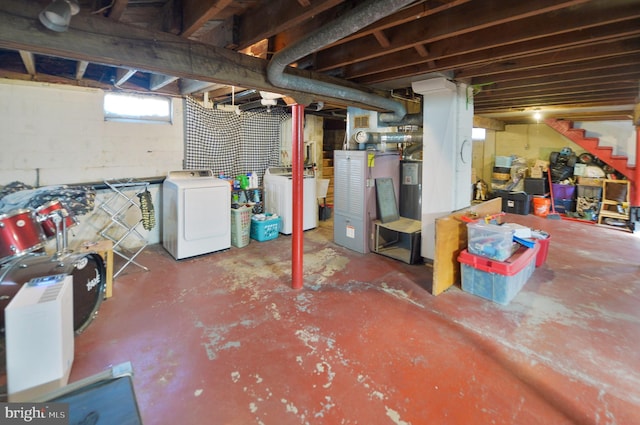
(313, 134)
(620, 135)
(56, 134)
(446, 158)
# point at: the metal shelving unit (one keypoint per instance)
(117, 206)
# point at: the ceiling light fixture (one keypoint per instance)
(537, 116)
(58, 14)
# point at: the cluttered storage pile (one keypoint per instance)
(248, 219)
(500, 258)
(569, 183)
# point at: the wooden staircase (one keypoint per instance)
(591, 145)
(327, 173)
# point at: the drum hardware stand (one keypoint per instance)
(125, 193)
(61, 232)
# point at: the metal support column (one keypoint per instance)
(297, 196)
(635, 194)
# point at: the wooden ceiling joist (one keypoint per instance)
(117, 9)
(193, 86)
(29, 61)
(123, 75)
(81, 68)
(157, 81)
(196, 13)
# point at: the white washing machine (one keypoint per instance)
(278, 198)
(196, 209)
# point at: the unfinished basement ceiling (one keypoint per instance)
(577, 60)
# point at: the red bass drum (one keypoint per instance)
(87, 269)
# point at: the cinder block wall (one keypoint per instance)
(55, 134)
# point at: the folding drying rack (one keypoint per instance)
(122, 227)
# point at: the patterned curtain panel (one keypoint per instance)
(232, 143)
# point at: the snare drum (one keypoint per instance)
(46, 213)
(87, 269)
(20, 233)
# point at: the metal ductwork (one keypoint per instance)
(351, 22)
(409, 119)
(371, 137)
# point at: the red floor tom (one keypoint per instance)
(46, 214)
(20, 233)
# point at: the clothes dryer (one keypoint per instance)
(196, 210)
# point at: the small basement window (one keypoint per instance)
(137, 108)
(478, 133)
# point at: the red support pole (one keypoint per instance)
(635, 193)
(297, 196)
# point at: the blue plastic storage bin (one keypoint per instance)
(266, 229)
(498, 281)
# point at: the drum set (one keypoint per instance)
(23, 235)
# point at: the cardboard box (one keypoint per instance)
(590, 181)
(535, 172)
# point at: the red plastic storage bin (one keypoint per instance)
(498, 281)
(544, 250)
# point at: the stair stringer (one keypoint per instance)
(619, 163)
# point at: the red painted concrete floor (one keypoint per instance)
(222, 339)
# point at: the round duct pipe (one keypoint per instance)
(371, 137)
(351, 22)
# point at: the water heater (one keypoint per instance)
(39, 337)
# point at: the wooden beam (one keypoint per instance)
(422, 51)
(193, 86)
(488, 123)
(29, 61)
(118, 8)
(275, 16)
(636, 117)
(81, 68)
(197, 12)
(382, 39)
(103, 41)
(473, 58)
(158, 81)
(411, 13)
(526, 18)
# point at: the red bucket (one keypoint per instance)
(541, 257)
(541, 206)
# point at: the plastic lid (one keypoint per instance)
(512, 266)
